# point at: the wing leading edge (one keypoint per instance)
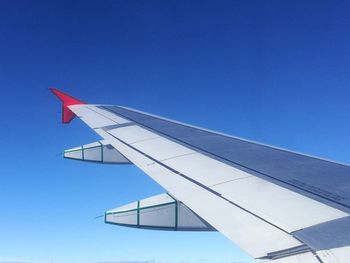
(270, 202)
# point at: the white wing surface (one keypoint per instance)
(275, 204)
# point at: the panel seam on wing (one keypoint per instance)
(177, 156)
(241, 178)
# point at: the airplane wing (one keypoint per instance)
(276, 205)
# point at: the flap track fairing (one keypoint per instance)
(99, 152)
(160, 212)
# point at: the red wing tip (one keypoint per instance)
(67, 100)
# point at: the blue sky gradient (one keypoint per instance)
(271, 71)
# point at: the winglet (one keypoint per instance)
(67, 100)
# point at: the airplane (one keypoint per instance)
(277, 205)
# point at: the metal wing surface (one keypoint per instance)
(275, 204)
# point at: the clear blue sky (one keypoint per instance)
(272, 71)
